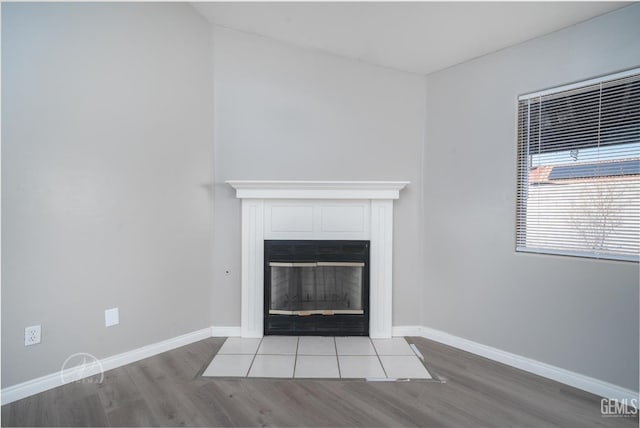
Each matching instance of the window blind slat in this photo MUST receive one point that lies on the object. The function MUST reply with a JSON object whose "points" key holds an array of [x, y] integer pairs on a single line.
{"points": [[578, 181]]}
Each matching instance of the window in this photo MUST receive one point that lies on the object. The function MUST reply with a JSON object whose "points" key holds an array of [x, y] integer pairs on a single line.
{"points": [[579, 169]]}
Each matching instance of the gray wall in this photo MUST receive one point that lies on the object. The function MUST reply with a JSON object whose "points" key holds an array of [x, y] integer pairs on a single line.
{"points": [[578, 314], [287, 113], [106, 173], [107, 189]]}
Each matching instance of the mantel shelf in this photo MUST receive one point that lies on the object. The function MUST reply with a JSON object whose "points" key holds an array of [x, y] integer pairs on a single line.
{"points": [[281, 189]]}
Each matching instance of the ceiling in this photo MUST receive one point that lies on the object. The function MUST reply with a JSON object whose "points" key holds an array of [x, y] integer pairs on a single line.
{"points": [[420, 37]]}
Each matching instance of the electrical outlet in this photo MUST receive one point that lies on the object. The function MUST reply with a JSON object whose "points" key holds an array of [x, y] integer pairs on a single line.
{"points": [[32, 335], [111, 317]]}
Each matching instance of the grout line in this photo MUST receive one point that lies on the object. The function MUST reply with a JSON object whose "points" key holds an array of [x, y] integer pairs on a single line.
{"points": [[295, 359], [254, 357], [335, 346], [277, 355], [379, 360], [374, 346]]}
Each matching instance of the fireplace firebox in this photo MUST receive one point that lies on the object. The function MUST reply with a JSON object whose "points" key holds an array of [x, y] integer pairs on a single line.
{"points": [[316, 288]]}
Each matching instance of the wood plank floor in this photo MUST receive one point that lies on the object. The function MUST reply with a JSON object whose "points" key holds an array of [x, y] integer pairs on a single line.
{"points": [[166, 390]]}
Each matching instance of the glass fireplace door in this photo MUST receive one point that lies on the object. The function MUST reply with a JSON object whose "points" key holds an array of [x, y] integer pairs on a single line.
{"points": [[316, 288]]}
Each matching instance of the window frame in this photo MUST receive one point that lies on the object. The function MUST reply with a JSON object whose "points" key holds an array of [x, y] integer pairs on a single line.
{"points": [[522, 171]]}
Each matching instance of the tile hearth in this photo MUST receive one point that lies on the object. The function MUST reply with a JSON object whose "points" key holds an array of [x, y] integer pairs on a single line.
{"points": [[317, 357]]}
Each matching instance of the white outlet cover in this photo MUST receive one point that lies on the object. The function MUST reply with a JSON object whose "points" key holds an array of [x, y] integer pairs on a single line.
{"points": [[111, 317], [32, 335]]}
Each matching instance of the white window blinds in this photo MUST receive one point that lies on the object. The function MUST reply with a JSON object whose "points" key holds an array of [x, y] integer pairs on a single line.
{"points": [[579, 169]]}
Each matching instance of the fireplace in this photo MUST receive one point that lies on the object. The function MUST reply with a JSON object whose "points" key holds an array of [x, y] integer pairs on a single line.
{"points": [[320, 211], [316, 287]]}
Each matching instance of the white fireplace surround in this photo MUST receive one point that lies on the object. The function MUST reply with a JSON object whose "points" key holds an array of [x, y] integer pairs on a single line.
{"points": [[332, 210]]}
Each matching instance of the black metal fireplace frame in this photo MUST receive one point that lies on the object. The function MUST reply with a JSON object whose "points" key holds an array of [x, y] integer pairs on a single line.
{"points": [[316, 251]]}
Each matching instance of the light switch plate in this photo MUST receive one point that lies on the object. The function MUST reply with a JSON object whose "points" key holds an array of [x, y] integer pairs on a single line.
{"points": [[111, 317]]}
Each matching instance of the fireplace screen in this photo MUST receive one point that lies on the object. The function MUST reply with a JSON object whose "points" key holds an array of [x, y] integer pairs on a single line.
{"points": [[317, 288]]}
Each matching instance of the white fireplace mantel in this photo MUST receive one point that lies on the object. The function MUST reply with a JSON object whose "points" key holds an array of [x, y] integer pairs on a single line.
{"points": [[332, 210], [318, 189]]}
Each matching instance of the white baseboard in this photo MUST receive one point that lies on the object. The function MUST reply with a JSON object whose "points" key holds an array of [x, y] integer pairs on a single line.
{"points": [[407, 330], [53, 380], [577, 380], [225, 331], [567, 377]]}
